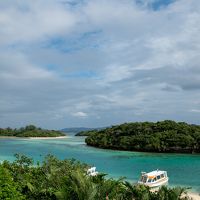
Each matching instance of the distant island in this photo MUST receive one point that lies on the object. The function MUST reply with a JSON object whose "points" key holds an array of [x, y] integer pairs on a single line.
{"points": [[90, 131], [87, 133], [163, 136], [78, 130], [30, 131]]}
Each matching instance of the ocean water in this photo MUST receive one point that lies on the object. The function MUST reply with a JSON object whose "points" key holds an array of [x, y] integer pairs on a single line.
{"points": [[183, 169]]}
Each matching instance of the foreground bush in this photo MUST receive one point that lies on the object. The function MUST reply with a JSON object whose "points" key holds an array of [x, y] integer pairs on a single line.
{"points": [[67, 180]]}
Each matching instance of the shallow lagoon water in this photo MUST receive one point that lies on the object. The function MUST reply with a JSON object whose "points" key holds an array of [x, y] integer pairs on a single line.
{"points": [[183, 169]]}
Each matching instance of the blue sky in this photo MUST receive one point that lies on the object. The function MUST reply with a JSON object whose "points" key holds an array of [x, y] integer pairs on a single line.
{"points": [[66, 63]]}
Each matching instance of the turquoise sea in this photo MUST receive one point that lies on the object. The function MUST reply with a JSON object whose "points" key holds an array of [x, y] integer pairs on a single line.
{"points": [[183, 169]]}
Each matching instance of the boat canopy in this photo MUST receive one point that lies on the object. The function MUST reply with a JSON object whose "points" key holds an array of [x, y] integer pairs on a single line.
{"points": [[155, 173]]}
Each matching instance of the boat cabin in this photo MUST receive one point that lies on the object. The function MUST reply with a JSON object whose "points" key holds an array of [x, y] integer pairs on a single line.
{"points": [[154, 178]]}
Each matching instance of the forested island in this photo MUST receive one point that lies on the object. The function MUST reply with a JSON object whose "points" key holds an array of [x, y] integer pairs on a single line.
{"points": [[55, 179], [86, 133], [29, 131], [89, 131], [163, 136]]}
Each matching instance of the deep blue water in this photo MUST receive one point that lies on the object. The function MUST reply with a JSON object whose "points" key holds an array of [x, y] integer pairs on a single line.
{"points": [[183, 169]]}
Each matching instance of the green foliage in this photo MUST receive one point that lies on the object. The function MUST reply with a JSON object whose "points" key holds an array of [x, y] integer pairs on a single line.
{"points": [[164, 136], [30, 131], [55, 179], [138, 192], [86, 133], [165, 193], [9, 190], [77, 186]]}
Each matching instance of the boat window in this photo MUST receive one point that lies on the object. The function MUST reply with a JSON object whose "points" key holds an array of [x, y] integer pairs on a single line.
{"points": [[158, 177], [154, 179], [162, 175], [149, 180], [143, 179]]}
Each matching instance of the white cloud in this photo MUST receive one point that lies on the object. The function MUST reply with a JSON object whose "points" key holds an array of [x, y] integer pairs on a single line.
{"points": [[145, 62], [114, 73], [15, 65], [27, 21], [80, 114], [195, 110]]}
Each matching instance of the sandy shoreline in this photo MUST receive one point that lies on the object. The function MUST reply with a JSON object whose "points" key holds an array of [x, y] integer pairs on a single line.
{"points": [[194, 196], [33, 138], [191, 194], [45, 138], [8, 137]]}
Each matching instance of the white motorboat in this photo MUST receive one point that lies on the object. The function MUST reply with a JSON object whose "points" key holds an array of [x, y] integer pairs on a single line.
{"points": [[154, 179], [92, 171]]}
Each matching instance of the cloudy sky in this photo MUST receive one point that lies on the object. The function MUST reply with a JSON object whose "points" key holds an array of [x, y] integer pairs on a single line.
{"points": [[66, 63]]}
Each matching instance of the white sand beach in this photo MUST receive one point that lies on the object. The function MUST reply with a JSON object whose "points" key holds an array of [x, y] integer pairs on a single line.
{"points": [[46, 138], [5, 137], [194, 196], [33, 138]]}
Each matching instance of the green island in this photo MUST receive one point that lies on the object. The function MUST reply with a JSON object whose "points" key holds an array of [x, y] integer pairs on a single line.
{"points": [[55, 179], [29, 131], [163, 136], [86, 133]]}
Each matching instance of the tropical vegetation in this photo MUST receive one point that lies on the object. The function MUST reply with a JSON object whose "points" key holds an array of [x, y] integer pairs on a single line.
{"points": [[86, 133], [163, 136], [30, 131], [55, 179]]}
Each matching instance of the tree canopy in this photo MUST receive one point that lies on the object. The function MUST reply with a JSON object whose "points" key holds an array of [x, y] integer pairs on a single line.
{"points": [[163, 136], [55, 179], [29, 131]]}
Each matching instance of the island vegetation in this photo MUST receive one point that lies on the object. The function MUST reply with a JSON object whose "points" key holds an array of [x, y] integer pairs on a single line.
{"points": [[163, 136], [30, 131], [86, 133], [76, 129], [89, 131], [55, 179]]}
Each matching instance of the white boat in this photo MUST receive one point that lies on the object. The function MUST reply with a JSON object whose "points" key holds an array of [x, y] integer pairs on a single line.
{"points": [[154, 179], [92, 171]]}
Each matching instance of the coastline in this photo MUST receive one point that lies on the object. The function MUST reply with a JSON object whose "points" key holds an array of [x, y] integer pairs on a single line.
{"points": [[45, 138], [5, 137], [33, 138], [194, 195]]}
